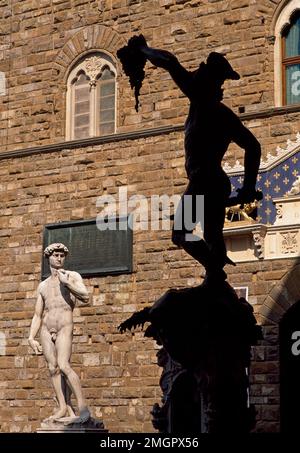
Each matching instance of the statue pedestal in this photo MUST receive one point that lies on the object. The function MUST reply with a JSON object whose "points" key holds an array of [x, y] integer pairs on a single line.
{"points": [[90, 426], [206, 333]]}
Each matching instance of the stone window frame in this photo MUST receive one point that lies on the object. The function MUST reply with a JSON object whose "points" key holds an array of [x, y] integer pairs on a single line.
{"points": [[92, 64], [288, 61], [282, 19]]}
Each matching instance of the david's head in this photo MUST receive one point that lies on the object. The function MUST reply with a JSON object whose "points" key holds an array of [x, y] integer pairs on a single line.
{"points": [[56, 254]]}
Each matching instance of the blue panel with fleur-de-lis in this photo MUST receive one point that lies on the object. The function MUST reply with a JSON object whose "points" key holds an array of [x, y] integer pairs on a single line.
{"points": [[273, 183]]}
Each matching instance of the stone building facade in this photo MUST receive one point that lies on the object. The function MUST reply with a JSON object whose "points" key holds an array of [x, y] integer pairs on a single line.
{"points": [[47, 178]]}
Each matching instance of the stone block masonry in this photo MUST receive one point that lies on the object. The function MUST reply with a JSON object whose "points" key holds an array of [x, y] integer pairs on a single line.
{"points": [[40, 40], [39, 43], [118, 372]]}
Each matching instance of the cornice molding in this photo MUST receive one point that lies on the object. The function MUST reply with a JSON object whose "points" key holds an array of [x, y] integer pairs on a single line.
{"points": [[93, 141], [136, 135], [270, 161]]}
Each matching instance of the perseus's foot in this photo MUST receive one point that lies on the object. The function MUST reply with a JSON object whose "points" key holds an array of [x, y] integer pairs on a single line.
{"points": [[214, 277]]}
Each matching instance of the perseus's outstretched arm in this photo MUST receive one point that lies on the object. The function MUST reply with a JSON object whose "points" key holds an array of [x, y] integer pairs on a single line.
{"points": [[168, 61], [133, 57]]}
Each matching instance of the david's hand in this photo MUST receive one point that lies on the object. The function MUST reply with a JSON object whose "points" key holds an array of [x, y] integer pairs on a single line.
{"points": [[63, 276], [35, 345]]}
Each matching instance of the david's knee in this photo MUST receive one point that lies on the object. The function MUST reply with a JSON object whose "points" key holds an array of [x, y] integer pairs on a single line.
{"points": [[53, 370], [65, 368]]}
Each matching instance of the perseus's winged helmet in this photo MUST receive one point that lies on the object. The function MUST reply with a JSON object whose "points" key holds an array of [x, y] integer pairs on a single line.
{"points": [[218, 65], [216, 68]]}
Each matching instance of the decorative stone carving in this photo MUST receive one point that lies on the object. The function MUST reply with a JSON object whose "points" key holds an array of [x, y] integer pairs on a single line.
{"points": [[278, 212], [236, 168], [259, 242], [289, 242], [171, 370], [288, 209], [242, 214], [283, 238], [88, 38], [93, 66], [282, 242], [245, 241], [295, 190], [280, 155]]}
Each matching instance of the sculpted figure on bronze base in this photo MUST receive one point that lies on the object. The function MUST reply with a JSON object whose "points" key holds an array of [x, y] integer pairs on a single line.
{"points": [[206, 332], [209, 129]]}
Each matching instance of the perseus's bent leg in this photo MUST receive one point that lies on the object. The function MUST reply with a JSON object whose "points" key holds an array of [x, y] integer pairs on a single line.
{"points": [[213, 230], [210, 252], [186, 217]]}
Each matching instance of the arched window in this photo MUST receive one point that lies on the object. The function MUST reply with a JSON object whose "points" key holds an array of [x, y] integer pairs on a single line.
{"points": [[91, 98], [286, 26], [291, 61]]}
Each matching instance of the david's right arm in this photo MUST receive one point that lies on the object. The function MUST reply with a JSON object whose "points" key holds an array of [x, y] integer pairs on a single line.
{"points": [[36, 324]]}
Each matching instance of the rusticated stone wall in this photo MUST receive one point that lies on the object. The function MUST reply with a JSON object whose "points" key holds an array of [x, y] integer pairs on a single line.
{"points": [[38, 43], [40, 40], [118, 372]]}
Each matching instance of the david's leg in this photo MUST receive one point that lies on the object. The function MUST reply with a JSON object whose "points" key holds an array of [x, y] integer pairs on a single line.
{"points": [[68, 393], [64, 349], [49, 352]]}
